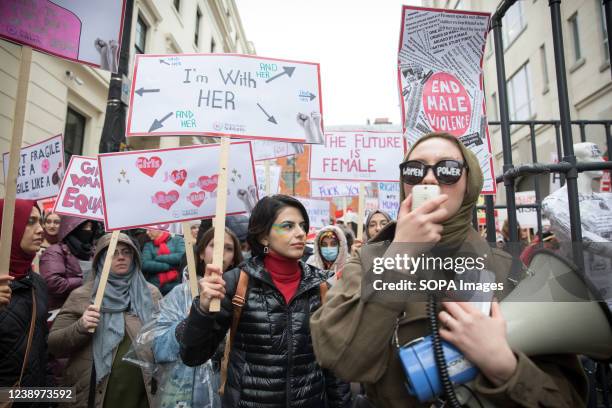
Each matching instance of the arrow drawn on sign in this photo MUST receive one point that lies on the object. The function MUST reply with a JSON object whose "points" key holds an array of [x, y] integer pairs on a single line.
{"points": [[311, 96], [161, 61], [159, 123], [286, 70], [270, 118], [142, 91]]}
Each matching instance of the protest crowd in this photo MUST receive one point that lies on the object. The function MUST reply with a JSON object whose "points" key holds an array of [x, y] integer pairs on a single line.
{"points": [[185, 278]]}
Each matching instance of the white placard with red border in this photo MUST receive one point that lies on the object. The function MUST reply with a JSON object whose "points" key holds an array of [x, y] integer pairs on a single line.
{"points": [[357, 156], [268, 150], [80, 194], [242, 96], [260, 174], [71, 29], [41, 169], [142, 188], [318, 211], [440, 79]]}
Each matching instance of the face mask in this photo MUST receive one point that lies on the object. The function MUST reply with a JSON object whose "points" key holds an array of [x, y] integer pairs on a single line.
{"points": [[329, 253], [246, 254], [84, 236]]}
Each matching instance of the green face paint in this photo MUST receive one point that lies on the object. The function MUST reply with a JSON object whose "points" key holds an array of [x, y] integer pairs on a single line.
{"points": [[286, 227]]}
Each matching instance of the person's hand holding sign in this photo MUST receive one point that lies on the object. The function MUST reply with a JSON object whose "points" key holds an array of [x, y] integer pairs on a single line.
{"points": [[212, 286], [5, 290], [90, 319]]}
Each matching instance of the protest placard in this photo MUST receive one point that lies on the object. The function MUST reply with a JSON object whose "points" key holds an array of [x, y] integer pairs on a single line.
{"points": [[357, 156], [41, 168], [441, 80], [389, 198], [142, 188], [275, 173], [66, 28], [332, 189], [526, 217], [242, 96], [267, 149], [318, 211], [80, 193]]}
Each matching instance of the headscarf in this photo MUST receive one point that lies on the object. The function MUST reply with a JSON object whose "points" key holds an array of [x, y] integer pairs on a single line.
{"points": [[317, 259], [456, 227], [80, 241], [127, 292], [51, 239], [20, 262], [369, 217]]}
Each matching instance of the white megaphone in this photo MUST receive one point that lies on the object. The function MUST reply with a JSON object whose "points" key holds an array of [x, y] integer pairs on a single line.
{"points": [[551, 312]]}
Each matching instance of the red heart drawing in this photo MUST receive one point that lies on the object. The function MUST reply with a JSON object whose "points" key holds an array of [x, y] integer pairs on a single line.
{"points": [[178, 176], [196, 198], [208, 183], [149, 166], [165, 200]]}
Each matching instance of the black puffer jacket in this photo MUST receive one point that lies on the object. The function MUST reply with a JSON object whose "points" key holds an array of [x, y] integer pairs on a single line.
{"points": [[14, 327], [272, 362]]}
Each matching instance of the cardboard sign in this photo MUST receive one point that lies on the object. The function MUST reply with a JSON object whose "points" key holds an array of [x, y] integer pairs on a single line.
{"points": [[260, 174], [332, 189], [389, 198], [142, 188], [267, 150], [80, 193], [526, 217], [41, 168], [357, 156], [217, 94], [71, 29], [441, 79], [318, 211]]}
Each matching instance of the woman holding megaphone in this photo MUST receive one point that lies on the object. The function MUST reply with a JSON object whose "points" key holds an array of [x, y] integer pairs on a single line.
{"points": [[357, 331]]}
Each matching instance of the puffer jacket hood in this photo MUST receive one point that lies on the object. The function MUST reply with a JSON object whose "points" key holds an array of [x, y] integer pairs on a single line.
{"points": [[316, 259], [104, 242], [69, 224]]}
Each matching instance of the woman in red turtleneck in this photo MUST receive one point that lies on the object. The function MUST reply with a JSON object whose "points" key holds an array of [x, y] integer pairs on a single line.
{"points": [[272, 361]]}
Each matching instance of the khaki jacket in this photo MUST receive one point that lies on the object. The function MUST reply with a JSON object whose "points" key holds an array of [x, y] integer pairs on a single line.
{"points": [[68, 338], [353, 337]]}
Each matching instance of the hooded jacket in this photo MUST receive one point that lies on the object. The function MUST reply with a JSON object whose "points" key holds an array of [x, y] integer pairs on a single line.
{"points": [[316, 259], [68, 338], [271, 362], [59, 267]]}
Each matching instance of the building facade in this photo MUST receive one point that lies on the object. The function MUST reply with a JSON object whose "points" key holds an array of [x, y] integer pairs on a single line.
{"points": [[70, 98], [531, 80]]}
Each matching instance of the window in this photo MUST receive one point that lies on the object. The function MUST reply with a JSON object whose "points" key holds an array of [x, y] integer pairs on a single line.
{"points": [[604, 31], [213, 45], [544, 67], [520, 99], [74, 133], [196, 35], [494, 109], [141, 35], [573, 22], [513, 23], [177, 4]]}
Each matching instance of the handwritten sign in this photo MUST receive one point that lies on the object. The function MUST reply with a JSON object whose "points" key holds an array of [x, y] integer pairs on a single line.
{"points": [[66, 28], [357, 156], [80, 193], [147, 187], [389, 198], [215, 94], [318, 211], [526, 217], [440, 71], [267, 150], [260, 174], [332, 189], [41, 168]]}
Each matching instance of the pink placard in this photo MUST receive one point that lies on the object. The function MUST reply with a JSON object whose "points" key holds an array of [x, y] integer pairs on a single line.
{"points": [[41, 24]]}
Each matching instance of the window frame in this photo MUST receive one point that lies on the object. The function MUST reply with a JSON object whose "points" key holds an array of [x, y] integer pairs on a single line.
{"points": [[196, 34], [140, 21], [512, 93], [72, 111], [575, 35]]}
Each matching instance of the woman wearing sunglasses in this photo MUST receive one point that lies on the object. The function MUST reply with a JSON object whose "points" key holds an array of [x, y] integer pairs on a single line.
{"points": [[353, 332]]}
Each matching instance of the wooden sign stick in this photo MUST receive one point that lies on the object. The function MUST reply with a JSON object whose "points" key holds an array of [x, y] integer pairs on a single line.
{"points": [[191, 265], [267, 173], [10, 187], [361, 209], [219, 222], [106, 270]]}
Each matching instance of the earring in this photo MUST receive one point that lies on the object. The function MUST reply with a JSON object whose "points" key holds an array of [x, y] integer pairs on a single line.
{"points": [[266, 250]]}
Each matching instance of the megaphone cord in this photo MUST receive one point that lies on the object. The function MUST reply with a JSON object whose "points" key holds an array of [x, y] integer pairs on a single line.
{"points": [[447, 385]]}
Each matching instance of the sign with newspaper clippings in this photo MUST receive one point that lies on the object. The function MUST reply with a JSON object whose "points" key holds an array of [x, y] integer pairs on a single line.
{"points": [[441, 81]]}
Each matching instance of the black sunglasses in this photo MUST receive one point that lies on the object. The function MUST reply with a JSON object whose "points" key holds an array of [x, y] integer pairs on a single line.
{"points": [[446, 171]]}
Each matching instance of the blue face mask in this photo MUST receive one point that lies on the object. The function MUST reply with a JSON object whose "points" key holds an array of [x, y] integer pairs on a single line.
{"points": [[329, 253]]}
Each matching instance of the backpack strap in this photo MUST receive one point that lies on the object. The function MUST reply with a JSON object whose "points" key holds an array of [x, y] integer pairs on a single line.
{"points": [[238, 303]]}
